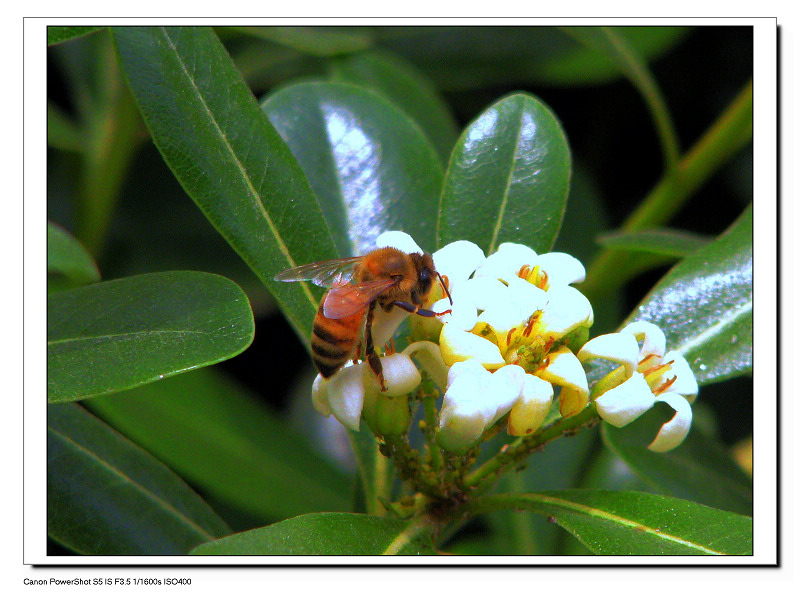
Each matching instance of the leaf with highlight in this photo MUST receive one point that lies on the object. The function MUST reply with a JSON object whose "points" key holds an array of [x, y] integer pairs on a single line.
{"points": [[508, 178], [227, 156]]}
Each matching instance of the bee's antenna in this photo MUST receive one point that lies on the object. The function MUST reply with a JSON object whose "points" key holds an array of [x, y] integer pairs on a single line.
{"points": [[444, 286]]}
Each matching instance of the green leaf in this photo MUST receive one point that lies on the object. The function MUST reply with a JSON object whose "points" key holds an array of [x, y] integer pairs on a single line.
{"points": [[317, 41], [559, 467], [227, 156], [106, 496], [468, 58], [56, 35], [582, 65], [633, 523], [68, 263], [699, 469], [119, 334], [663, 242], [370, 166], [704, 305], [219, 437], [508, 178], [403, 84], [326, 534]]}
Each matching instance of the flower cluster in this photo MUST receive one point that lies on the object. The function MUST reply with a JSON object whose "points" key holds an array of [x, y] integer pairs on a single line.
{"points": [[515, 329], [647, 373]]}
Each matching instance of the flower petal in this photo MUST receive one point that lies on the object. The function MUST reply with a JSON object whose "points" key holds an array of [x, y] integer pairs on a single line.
{"points": [[459, 368], [506, 262], [530, 410], [346, 390], [384, 324], [463, 314], [429, 356], [400, 240], [458, 260], [484, 292], [503, 318], [400, 375], [653, 340], [561, 268], [566, 309], [319, 396], [674, 431], [565, 369], [625, 403], [504, 387], [458, 345], [617, 347], [474, 400], [685, 384], [465, 411]]}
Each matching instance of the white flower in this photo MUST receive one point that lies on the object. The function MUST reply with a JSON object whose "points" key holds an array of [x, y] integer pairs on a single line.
{"points": [[476, 399], [648, 374], [344, 394], [513, 260], [513, 312]]}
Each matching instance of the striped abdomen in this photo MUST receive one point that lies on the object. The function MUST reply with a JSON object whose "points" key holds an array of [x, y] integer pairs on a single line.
{"points": [[333, 341]]}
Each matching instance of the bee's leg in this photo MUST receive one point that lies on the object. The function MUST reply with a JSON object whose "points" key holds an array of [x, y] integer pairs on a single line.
{"points": [[417, 310], [369, 350]]}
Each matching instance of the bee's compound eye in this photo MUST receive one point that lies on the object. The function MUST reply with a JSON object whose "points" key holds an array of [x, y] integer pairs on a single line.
{"points": [[425, 279]]}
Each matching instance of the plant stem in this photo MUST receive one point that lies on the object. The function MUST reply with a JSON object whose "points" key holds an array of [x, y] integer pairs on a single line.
{"points": [[731, 131], [522, 447], [434, 453]]}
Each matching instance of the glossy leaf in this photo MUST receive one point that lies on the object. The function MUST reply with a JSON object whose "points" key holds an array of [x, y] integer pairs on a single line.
{"points": [[558, 467], [664, 242], [371, 167], [68, 263], [317, 41], [227, 156], [633, 523], [119, 334], [699, 469], [704, 305], [466, 58], [326, 534], [106, 496], [56, 35], [408, 88], [220, 438], [508, 178]]}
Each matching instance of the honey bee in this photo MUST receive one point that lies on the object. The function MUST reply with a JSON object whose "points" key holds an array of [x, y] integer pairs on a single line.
{"points": [[386, 277]]}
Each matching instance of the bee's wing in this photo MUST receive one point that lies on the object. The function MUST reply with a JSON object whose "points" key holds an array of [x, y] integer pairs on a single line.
{"points": [[325, 274], [346, 300]]}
